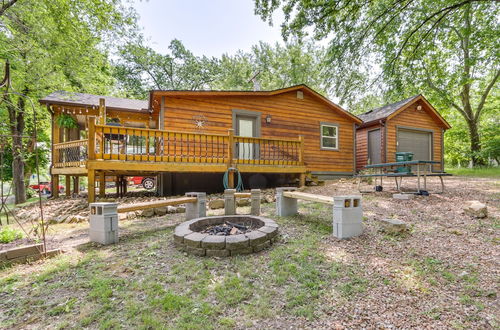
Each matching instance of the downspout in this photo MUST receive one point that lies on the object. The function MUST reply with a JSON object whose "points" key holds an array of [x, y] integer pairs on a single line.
{"points": [[354, 128], [383, 124]]}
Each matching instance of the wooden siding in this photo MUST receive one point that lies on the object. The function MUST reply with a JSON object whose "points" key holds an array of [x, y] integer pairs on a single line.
{"points": [[418, 119], [362, 145], [291, 116]]}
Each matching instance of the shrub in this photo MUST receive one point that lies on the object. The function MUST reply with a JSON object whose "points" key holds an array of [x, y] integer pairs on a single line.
{"points": [[8, 234]]}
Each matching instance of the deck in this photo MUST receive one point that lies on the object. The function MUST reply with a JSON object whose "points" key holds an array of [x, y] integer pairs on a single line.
{"points": [[137, 151]]}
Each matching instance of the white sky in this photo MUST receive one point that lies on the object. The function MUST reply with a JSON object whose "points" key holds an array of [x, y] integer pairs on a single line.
{"points": [[205, 27]]}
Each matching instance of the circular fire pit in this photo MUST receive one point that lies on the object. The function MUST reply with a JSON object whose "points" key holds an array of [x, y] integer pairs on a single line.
{"points": [[222, 236]]}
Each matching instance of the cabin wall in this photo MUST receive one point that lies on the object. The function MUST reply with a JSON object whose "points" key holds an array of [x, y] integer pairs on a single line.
{"points": [[419, 119], [291, 117], [362, 145]]}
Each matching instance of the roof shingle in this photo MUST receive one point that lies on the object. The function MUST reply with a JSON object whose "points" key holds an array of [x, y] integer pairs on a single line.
{"points": [[82, 99], [385, 111]]}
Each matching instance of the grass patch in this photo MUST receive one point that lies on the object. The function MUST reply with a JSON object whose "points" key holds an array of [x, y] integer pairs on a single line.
{"points": [[478, 172]]}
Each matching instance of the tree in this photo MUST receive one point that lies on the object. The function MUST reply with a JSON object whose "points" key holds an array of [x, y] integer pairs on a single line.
{"points": [[277, 67], [140, 69], [447, 49], [54, 44]]}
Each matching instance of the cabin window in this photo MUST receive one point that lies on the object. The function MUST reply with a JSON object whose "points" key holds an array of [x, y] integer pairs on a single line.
{"points": [[329, 136]]}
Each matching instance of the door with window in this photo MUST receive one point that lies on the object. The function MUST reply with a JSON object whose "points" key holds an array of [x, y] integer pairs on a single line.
{"points": [[246, 126]]}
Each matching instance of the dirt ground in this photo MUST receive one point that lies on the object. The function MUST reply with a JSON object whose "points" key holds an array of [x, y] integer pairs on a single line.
{"points": [[443, 274]]}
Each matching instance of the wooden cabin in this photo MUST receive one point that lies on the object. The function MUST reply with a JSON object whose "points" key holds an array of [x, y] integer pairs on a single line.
{"points": [[196, 136], [411, 125]]}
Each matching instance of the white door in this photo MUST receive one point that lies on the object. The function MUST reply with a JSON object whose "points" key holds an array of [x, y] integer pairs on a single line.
{"points": [[245, 127]]}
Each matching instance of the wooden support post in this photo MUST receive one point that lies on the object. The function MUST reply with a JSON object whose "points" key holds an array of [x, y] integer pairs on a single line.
{"points": [[301, 150], [55, 186], [117, 185], [91, 186], [230, 179], [76, 185], [91, 143], [230, 148], [102, 111], [302, 180], [68, 185], [102, 184]]}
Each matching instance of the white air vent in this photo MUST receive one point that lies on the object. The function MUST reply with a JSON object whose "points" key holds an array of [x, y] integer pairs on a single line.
{"points": [[300, 95]]}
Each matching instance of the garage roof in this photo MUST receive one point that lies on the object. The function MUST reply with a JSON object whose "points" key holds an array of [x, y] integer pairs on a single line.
{"points": [[390, 110]]}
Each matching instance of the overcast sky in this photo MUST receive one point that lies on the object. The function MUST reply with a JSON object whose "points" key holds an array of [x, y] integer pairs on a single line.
{"points": [[206, 27]]}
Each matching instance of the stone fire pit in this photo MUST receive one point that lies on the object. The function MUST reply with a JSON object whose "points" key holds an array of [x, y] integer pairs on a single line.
{"points": [[194, 236]]}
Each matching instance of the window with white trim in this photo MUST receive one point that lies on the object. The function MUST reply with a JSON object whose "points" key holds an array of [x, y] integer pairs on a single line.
{"points": [[329, 136]]}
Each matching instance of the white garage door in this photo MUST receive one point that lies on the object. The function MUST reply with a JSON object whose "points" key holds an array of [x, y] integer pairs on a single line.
{"points": [[417, 142]]}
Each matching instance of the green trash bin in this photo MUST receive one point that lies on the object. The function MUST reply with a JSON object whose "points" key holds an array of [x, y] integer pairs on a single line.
{"points": [[403, 157]]}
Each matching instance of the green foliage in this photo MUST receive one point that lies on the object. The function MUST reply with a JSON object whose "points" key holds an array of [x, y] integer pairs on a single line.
{"points": [[140, 69], [66, 121], [447, 50], [9, 234]]}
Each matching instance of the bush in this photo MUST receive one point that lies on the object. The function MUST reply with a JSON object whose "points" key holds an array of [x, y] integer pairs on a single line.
{"points": [[30, 193], [8, 234]]}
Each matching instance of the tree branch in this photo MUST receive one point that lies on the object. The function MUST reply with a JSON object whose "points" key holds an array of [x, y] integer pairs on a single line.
{"points": [[485, 94], [6, 6]]}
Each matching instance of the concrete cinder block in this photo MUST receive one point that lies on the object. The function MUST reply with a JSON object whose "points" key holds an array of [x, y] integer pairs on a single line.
{"points": [[103, 223], [403, 196], [229, 202], [285, 206], [198, 209], [104, 237], [347, 216], [255, 202]]}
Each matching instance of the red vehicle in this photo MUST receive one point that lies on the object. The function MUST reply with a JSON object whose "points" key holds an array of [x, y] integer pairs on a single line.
{"points": [[46, 187], [147, 182]]}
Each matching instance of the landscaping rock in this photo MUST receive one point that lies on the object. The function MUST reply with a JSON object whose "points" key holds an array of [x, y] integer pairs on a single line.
{"points": [[243, 250], [195, 251], [236, 242], [161, 211], [243, 202], [214, 242], [393, 226], [261, 246], [147, 213], [476, 209], [194, 239], [216, 204], [403, 196], [122, 216], [131, 215], [270, 198], [217, 253], [180, 209]]}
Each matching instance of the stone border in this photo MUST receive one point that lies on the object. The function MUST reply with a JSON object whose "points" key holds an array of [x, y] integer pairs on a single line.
{"points": [[202, 244], [25, 254]]}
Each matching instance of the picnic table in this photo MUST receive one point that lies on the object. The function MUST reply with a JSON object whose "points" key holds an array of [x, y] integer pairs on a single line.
{"points": [[387, 170]]}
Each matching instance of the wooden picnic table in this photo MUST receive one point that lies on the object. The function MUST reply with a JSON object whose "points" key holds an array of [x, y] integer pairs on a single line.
{"points": [[387, 170]]}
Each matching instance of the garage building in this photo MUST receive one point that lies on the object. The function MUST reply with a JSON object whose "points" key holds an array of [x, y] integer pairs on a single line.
{"points": [[411, 125]]}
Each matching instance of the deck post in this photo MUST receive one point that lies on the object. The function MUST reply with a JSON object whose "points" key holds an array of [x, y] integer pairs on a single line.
{"points": [[91, 139], [67, 181], [302, 180], [230, 155], [76, 185], [117, 185], [55, 186], [91, 186], [102, 111], [301, 150], [230, 179], [102, 184]]}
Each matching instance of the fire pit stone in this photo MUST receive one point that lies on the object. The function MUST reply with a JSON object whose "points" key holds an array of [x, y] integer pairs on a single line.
{"points": [[223, 236]]}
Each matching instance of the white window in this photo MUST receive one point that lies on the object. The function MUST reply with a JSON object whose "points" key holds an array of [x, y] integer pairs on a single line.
{"points": [[329, 136]]}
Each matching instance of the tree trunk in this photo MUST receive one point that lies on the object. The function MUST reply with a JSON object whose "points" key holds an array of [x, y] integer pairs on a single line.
{"points": [[475, 143], [17, 124]]}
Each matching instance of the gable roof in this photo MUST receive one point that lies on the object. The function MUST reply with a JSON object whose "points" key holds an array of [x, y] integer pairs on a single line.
{"points": [[303, 87], [390, 110], [91, 100]]}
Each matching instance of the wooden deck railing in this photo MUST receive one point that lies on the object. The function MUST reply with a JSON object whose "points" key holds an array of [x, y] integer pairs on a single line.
{"points": [[70, 154], [149, 145]]}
